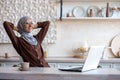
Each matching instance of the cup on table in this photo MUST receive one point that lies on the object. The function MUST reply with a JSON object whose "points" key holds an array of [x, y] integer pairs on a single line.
{"points": [[24, 66]]}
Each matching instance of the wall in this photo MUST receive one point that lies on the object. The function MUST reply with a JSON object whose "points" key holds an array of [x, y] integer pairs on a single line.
{"points": [[73, 32], [38, 10]]}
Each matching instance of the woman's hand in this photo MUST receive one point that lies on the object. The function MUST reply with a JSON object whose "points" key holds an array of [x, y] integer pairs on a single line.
{"points": [[15, 28], [35, 26]]}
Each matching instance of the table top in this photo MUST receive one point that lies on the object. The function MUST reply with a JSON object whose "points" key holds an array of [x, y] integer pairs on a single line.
{"points": [[44, 73]]}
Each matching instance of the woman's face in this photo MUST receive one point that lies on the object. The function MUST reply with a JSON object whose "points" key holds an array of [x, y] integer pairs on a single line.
{"points": [[28, 26]]}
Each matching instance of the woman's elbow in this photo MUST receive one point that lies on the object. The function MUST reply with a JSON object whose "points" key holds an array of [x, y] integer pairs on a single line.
{"points": [[48, 22], [4, 23]]}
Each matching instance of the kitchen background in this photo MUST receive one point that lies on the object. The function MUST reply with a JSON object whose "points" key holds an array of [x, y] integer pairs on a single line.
{"points": [[63, 35]]}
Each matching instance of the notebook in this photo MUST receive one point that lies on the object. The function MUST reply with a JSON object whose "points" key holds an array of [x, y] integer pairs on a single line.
{"points": [[91, 62]]}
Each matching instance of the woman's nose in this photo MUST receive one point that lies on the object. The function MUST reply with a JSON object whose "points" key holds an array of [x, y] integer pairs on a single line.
{"points": [[30, 25]]}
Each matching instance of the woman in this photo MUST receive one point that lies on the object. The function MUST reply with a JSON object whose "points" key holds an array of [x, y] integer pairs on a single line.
{"points": [[28, 46]]}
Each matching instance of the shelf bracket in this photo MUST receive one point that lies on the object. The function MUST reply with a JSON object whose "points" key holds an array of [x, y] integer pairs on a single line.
{"points": [[61, 8]]}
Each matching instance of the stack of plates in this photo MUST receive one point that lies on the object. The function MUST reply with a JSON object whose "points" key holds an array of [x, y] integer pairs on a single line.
{"points": [[78, 11]]}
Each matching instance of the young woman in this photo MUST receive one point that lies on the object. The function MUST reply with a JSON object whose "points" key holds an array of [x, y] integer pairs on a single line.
{"points": [[28, 46]]}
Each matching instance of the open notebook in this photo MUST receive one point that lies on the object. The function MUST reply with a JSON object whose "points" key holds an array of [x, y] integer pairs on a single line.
{"points": [[92, 61]]}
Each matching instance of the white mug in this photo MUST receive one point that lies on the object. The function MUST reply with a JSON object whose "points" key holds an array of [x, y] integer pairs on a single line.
{"points": [[24, 66]]}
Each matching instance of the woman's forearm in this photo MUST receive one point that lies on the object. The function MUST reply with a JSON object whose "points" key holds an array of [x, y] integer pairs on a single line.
{"points": [[9, 27], [43, 24]]}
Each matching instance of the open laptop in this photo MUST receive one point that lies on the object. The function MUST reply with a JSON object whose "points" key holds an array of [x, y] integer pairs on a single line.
{"points": [[92, 61]]}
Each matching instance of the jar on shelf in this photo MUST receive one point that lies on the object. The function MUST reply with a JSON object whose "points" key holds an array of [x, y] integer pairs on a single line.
{"points": [[91, 13], [69, 14]]}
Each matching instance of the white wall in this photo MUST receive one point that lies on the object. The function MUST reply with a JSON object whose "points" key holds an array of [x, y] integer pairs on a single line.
{"points": [[72, 32]]}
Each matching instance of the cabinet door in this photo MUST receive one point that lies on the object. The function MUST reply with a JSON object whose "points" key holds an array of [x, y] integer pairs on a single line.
{"points": [[117, 66], [9, 64], [62, 65], [106, 65], [52, 65], [110, 65], [103, 65]]}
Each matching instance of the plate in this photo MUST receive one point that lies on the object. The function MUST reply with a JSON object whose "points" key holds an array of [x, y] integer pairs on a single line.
{"points": [[78, 11], [23, 69], [94, 9], [115, 45], [103, 12]]}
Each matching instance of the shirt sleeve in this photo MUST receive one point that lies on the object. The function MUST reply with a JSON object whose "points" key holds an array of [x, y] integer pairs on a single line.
{"points": [[9, 29], [44, 28]]}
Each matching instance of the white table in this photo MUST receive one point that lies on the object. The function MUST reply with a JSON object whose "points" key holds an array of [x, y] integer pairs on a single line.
{"points": [[55, 74]]}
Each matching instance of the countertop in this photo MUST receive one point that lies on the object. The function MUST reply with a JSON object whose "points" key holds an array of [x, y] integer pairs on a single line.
{"points": [[59, 60], [10, 59], [73, 60]]}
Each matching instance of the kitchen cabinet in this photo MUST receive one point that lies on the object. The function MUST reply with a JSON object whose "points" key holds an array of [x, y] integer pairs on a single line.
{"points": [[102, 65], [11, 61], [69, 62], [64, 62], [88, 9]]}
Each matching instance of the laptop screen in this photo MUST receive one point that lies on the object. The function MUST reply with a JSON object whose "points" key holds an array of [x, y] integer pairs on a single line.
{"points": [[93, 57], [92, 60]]}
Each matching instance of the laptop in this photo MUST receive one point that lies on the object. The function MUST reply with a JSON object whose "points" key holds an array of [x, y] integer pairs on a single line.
{"points": [[91, 62]]}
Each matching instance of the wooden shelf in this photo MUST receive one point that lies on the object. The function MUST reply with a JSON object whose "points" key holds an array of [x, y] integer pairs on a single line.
{"points": [[89, 18], [87, 0], [63, 9]]}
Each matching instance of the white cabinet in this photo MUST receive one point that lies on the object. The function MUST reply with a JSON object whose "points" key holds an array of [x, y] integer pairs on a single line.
{"points": [[102, 64], [69, 62], [9, 64], [11, 61], [66, 62], [110, 65], [88, 9], [52, 65], [60, 65]]}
